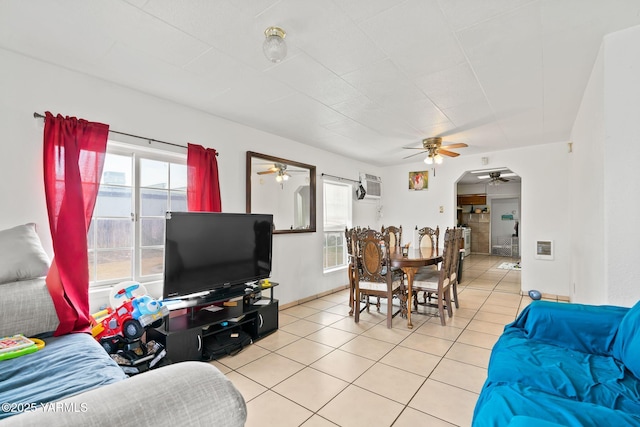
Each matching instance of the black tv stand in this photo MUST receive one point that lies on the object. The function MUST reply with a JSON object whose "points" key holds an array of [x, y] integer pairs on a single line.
{"points": [[185, 335]]}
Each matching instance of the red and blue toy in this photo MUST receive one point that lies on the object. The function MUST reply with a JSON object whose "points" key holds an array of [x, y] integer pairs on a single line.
{"points": [[128, 320]]}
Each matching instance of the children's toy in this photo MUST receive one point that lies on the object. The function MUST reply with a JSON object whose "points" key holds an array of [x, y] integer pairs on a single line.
{"points": [[18, 345], [128, 320], [13, 343]]}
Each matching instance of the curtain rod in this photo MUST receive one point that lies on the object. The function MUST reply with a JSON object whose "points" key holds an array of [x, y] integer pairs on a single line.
{"points": [[40, 116], [341, 178]]}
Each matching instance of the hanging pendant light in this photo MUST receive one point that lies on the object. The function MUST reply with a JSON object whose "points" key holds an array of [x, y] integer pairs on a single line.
{"points": [[274, 46]]}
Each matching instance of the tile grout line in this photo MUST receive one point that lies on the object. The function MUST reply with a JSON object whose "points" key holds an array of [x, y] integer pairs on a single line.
{"points": [[395, 345]]}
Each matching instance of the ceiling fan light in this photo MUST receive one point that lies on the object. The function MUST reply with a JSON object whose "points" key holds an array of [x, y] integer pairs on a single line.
{"points": [[279, 178], [428, 160], [438, 159], [274, 46], [285, 177]]}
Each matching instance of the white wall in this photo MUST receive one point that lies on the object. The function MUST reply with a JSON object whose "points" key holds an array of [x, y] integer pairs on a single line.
{"points": [[587, 193], [501, 228], [28, 85], [622, 109], [544, 205], [605, 177]]}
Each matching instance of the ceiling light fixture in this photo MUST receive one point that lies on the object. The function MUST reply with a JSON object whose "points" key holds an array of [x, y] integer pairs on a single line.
{"points": [[433, 157], [274, 46], [282, 176]]}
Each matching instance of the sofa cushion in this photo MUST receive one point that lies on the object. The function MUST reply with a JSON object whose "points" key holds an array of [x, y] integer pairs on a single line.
{"points": [[563, 372], [501, 405], [581, 327], [626, 346], [21, 254], [67, 365]]}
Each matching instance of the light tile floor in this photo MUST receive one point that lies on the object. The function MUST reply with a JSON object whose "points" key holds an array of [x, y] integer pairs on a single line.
{"points": [[322, 369]]}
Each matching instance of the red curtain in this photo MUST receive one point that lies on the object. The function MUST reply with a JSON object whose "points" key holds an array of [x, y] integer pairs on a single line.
{"points": [[74, 151], [203, 186]]}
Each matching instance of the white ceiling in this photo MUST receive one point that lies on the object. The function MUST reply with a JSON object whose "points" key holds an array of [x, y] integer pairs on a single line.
{"points": [[363, 78]]}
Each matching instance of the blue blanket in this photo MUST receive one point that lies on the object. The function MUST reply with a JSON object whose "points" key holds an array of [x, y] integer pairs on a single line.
{"points": [[556, 364], [67, 365]]}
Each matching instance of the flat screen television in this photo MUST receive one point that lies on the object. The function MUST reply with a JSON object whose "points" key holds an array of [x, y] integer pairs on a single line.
{"points": [[214, 253]]}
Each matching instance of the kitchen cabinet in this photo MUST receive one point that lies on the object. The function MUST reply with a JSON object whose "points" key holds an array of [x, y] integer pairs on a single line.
{"points": [[472, 199]]}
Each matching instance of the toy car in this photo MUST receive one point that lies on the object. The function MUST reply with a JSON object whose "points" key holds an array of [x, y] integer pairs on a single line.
{"points": [[128, 320]]}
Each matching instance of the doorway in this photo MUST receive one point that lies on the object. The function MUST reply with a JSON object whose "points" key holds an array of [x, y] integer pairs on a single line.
{"points": [[489, 206], [505, 224]]}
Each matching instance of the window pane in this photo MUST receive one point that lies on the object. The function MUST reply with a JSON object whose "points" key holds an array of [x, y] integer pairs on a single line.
{"points": [[178, 178], [154, 174], [114, 233], [115, 264], [152, 233], [91, 241], [152, 261], [154, 202], [117, 170], [337, 216], [336, 205], [92, 264], [113, 201], [178, 201], [113, 237]]}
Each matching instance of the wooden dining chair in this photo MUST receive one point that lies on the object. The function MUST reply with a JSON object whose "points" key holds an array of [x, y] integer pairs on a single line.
{"points": [[428, 237], [374, 278], [455, 263], [395, 235], [351, 241], [440, 284]]}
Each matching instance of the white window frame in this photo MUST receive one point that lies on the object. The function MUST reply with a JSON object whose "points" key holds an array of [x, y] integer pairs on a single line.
{"points": [[327, 229], [137, 153]]}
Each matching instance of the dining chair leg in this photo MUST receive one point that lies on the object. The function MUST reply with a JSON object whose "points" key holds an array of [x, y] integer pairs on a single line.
{"points": [[441, 310], [356, 305], [389, 310], [447, 298], [455, 294]]}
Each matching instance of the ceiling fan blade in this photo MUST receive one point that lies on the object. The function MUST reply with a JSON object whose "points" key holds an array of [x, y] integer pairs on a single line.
{"points": [[447, 153], [413, 148], [270, 170], [411, 155], [503, 180], [455, 145]]}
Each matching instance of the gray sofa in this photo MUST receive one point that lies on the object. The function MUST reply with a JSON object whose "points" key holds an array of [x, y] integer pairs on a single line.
{"points": [[189, 393]]}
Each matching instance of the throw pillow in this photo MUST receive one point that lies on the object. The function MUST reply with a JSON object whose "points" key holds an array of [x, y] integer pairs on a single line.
{"points": [[21, 254], [626, 346]]}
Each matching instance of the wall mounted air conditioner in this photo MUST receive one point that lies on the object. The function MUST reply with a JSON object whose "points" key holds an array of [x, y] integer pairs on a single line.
{"points": [[370, 187]]}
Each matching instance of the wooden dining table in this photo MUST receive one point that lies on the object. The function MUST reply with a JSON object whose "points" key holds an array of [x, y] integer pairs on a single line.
{"points": [[410, 263]]}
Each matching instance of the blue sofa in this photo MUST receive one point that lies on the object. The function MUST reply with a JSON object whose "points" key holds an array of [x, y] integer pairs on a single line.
{"points": [[564, 364]]}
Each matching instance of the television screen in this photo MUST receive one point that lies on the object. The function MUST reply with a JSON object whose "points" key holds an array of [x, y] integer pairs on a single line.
{"points": [[207, 251]]}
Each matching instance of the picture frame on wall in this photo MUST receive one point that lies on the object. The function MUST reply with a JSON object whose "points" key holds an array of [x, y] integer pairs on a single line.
{"points": [[419, 180]]}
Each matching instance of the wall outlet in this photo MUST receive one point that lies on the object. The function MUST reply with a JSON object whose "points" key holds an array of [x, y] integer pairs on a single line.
{"points": [[441, 209]]}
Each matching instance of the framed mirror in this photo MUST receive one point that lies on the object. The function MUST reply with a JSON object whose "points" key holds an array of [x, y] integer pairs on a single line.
{"points": [[284, 188]]}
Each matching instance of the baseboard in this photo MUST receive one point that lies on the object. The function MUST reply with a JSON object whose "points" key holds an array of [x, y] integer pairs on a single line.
{"points": [[311, 298], [551, 297]]}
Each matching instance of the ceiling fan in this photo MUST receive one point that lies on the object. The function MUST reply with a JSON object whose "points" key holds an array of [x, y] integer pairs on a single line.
{"points": [[435, 150], [495, 178], [281, 171]]}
